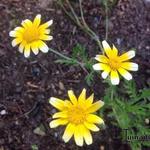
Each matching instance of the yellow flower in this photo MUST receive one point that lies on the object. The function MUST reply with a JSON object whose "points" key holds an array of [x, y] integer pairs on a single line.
{"points": [[30, 36], [78, 115], [113, 64]]}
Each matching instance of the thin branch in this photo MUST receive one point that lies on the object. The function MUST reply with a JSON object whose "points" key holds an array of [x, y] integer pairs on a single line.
{"points": [[83, 25]]}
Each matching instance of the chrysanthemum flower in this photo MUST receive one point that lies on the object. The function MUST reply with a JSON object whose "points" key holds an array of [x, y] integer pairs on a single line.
{"points": [[112, 63], [30, 36], [77, 115]]}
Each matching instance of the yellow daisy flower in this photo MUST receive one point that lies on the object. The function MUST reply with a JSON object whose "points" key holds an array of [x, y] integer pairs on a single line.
{"points": [[77, 115], [113, 64], [30, 36]]}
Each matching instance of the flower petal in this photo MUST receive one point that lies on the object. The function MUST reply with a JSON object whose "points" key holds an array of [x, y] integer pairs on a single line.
{"points": [[82, 96], [34, 47], [101, 58], [47, 31], [22, 46], [42, 46], [27, 51], [128, 55], [16, 41], [46, 37], [107, 49], [19, 29], [72, 97], [91, 126], [78, 135], [57, 103], [87, 135], [89, 101], [58, 122], [62, 114], [14, 34], [26, 23], [125, 74], [115, 50], [130, 66], [106, 72], [91, 118], [69, 131], [46, 25], [114, 77], [101, 66], [95, 106], [37, 20]]}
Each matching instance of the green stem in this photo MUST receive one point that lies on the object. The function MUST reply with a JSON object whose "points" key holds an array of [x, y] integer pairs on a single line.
{"points": [[83, 25], [112, 94], [68, 58], [106, 19], [59, 54]]}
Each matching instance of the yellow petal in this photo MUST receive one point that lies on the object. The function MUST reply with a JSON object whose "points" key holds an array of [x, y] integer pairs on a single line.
{"points": [[57, 103], [34, 47], [72, 97], [106, 72], [94, 119], [101, 58], [67, 104], [42, 46], [15, 34], [16, 41], [47, 31], [128, 55], [58, 122], [115, 50], [107, 49], [95, 106], [19, 29], [114, 77], [27, 50], [46, 25], [22, 46], [37, 20], [82, 96], [125, 74], [87, 135], [78, 135], [62, 114], [101, 66], [26, 23], [46, 37], [130, 66], [91, 126], [89, 101], [69, 131]]}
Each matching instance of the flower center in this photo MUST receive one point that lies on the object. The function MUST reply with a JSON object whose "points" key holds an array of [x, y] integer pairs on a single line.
{"points": [[76, 115], [114, 64], [31, 34]]}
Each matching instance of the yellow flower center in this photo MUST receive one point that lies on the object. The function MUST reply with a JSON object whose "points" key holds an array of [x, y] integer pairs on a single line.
{"points": [[114, 64], [76, 115], [31, 34]]}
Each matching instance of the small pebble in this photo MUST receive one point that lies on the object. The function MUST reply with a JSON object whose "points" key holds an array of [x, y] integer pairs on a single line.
{"points": [[102, 147], [147, 121], [3, 112], [61, 85]]}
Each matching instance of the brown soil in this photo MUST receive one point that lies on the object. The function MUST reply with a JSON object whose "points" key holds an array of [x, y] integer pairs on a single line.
{"points": [[26, 84]]}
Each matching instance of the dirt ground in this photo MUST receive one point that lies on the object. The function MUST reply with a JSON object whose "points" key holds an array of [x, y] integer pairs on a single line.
{"points": [[26, 84]]}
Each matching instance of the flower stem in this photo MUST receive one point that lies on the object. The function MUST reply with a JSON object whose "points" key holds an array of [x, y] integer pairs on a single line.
{"points": [[68, 58]]}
